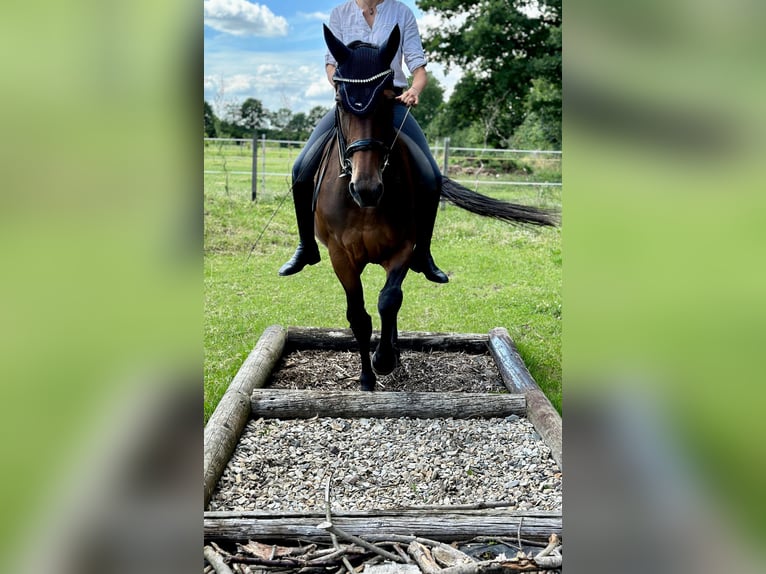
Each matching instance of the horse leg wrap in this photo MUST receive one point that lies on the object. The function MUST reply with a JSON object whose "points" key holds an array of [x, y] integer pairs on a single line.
{"points": [[385, 359], [361, 326]]}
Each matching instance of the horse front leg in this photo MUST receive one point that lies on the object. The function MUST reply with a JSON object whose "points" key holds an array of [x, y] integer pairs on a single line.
{"points": [[386, 357], [358, 318], [361, 325]]}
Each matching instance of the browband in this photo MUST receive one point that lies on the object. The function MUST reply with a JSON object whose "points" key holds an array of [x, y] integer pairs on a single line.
{"points": [[383, 74]]}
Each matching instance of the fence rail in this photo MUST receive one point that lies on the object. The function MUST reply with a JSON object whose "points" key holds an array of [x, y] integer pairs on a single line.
{"points": [[264, 160]]}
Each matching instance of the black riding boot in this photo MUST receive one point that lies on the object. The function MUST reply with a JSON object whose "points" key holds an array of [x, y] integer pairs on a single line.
{"points": [[425, 217], [307, 252]]}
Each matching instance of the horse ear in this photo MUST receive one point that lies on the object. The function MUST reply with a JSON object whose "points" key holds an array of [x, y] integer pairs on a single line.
{"points": [[390, 46], [337, 48]]}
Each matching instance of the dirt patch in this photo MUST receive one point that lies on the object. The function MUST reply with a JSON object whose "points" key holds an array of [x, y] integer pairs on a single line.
{"points": [[437, 371]]}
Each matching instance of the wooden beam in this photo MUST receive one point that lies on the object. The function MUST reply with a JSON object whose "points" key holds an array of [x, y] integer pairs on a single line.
{"points": [[304, 404], [224, 427], [300, 338], [447, 525], [540, 412]]}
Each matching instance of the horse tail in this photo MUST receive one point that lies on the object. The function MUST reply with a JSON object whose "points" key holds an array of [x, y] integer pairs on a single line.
{"points": [[488, 207]]}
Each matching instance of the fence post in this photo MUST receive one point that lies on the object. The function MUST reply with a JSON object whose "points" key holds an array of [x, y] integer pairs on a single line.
{"points": [[254, 182], [263, 162], [445, 167], [445, 159]]}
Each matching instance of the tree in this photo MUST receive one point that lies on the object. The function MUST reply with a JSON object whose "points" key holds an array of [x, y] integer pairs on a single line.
{"points": [[431, 99], [280, 119], [211, 122], [298, 127], [315, 114], [252, 114], [541, 128], [503, 46]]}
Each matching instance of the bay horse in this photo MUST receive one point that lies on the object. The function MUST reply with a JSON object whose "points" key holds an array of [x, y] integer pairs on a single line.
{"points": [[365, 195]]}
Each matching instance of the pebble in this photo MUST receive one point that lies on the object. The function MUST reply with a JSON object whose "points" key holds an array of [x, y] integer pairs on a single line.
{"points": [[283, 465]]}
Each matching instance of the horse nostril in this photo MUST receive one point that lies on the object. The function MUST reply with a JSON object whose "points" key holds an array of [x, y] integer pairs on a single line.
{"points": [[366, 193]]}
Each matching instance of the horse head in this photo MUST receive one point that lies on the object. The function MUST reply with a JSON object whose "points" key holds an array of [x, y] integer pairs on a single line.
{"points": [[364, 103]]}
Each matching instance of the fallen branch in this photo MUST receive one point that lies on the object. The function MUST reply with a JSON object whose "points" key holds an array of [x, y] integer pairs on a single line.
{"points": [[272, 551], [508, 541], [328, 526], [553, 543], [423, 558], [447, 556], [278, 562], [520, 563], [216, 561], [401, 553], [332, 558]]}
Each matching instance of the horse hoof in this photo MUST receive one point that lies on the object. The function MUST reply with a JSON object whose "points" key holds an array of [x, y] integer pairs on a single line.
{"points": [[382, 367], [367, 383]]}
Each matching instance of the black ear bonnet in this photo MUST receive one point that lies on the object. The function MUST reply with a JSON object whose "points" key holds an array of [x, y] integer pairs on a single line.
{"points": [[363, 72]]}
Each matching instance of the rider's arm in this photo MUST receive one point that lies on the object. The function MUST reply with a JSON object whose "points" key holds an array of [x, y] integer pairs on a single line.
{"points": [[330, 70]]}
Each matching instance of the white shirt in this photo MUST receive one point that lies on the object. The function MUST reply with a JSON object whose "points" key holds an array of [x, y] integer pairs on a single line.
{"points": [[348, 24]]}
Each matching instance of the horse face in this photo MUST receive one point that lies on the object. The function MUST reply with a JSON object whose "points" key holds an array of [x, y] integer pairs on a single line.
{"points": [[364, 82], [366, 152]]}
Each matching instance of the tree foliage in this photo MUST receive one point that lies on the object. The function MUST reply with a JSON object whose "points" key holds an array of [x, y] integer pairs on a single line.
{"points": [[503, 46], [252, 114], [211, 122], [250, 119], [430, 102]]}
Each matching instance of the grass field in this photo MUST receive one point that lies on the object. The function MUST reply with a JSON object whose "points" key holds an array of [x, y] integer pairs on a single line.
{"points": [[500, 275]]}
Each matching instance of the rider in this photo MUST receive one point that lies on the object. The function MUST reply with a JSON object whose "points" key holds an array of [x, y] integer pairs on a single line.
{"points": [[372, 21]]}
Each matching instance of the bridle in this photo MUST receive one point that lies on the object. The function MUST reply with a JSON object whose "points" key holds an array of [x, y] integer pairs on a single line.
{"points": [[345, 152]]}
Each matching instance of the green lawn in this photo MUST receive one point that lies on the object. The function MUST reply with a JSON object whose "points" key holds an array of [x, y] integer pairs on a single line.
{"points": [[500, 275]]}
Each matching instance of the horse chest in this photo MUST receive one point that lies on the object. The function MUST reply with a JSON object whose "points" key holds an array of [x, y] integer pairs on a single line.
{"points": [[373, 239]]}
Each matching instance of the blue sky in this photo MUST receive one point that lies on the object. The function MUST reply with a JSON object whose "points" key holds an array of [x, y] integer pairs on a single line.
{"points": [[274, 52]]}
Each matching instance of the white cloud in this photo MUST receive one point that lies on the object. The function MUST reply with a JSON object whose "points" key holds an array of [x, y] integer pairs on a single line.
{"points": [[433, 21], [320, 88], [271, 77], [321, 16], [447, 80], [242, 18], [239, 84]]}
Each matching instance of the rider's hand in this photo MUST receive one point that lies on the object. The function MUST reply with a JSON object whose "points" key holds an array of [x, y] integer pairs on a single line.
{"points": [[410, 97]]}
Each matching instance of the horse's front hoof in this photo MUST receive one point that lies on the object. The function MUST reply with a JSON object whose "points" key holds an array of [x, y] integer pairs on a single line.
{"points": [[384, 366], [367, 383]]}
